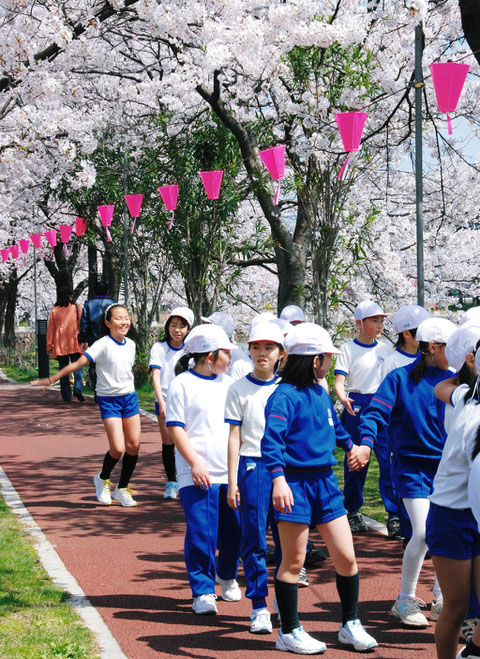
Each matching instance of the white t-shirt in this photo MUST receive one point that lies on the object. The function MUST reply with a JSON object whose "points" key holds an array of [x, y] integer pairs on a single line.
{"points": [[474, 489], [164, 357], [396, 359], [451, 480], [114, 362], [362, 365], [245, 407], [240, 364], [196, 403]]}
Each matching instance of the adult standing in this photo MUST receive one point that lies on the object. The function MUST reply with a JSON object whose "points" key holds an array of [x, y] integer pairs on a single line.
{"points": [[91, 322], [62, 341]]}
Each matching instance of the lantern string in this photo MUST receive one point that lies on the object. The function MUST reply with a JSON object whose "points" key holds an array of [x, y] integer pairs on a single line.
{"points": [[171, 221], [133, 225], [277, 191]]}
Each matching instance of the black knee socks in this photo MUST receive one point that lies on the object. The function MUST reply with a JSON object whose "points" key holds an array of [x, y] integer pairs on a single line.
{"points": [[128, 465], [287, 602], [168, 458], [347, 588], [108, 465]]}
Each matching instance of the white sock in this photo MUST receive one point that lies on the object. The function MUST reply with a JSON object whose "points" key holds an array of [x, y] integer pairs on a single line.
{"points": [[416, 549]]}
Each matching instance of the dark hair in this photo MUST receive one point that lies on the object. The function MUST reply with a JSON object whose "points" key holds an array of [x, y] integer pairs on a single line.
{"points": [[63, 297], [165, 337], [299, 371], [101, 287], [420, 368], [182, 365], [401, 339]]}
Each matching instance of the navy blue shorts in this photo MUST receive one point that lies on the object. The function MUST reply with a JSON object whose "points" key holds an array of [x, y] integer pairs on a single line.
{"points": [[118, 406], [317, 499], [452, 533], [413, 479]]}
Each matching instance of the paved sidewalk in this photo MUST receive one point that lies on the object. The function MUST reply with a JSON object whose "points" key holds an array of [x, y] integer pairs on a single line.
{"points": [[129, 562]]}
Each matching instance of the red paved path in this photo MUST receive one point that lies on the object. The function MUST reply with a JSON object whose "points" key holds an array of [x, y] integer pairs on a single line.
{"points": [[129, 562]]}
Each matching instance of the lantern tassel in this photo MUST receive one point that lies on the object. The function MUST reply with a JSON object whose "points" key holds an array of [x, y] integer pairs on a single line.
{"points": [[171, 221], [109, 237], [24, 259], [343, 171], [66, 250], [51, 255], [449, 122], [133, 225], [275, 199]]}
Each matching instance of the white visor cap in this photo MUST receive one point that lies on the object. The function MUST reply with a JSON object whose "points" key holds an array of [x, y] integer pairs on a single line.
{"points": [[208, 338], [183, 312], [472, 314], [461, 342], [309, 339], [222, 319], [367, 309], [292, 313], [269, 331], [408, 317], [435, 329], [264, 317]]}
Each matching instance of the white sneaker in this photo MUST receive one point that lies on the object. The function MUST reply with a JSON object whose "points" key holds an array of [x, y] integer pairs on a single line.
{"points": [[408, 610], [205, 604], [171, 490], [230, 589], [353, 633], [260, 622], [124, 496], [303, 579], [436, 608], [103, 489], [300, 642]]}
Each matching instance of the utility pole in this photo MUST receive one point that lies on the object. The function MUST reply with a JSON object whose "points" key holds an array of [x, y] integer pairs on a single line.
{"points": [[419, 46], [125, 225]]}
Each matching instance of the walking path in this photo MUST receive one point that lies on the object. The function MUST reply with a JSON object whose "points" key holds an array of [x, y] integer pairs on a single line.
{"points": [[129, 562]]}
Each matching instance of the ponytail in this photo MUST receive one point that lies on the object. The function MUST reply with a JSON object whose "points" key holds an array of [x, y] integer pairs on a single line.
{"points": [[420, 368]]}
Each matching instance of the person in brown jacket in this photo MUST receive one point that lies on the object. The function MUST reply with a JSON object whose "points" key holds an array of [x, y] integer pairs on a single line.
{"points": [[62, 342]]}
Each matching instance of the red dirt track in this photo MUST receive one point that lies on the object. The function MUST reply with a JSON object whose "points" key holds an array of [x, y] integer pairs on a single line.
{"points": [[129, 562]]}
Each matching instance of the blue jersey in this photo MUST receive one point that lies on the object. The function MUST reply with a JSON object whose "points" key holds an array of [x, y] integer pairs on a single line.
{"points": [[301, 430], [415, 417]]}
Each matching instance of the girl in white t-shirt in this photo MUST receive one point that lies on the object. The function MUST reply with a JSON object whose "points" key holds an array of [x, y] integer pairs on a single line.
{"points": [[195, 419], [164, 355], [114, 357]]}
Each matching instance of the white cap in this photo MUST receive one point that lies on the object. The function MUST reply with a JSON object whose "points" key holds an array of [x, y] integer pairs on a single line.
{"points": [[222, 319], [462, 341], [261, 318], [283, 324], [367, 309], [408, 317], [269, 331], [185, 313], [309, 339], [435, 329], [470, 314], [208, 338], [292, 313]]}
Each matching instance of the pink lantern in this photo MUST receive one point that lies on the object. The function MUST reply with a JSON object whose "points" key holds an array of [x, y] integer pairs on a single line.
{"points": [[350, 125], [65, 233], [5, 256], [14, 250], [106, 214], [134, 203], [212, 182], [448, 80], [51, 237], [36, 239], [24, 245], [274, 160], [169, 194], [80, 226]]}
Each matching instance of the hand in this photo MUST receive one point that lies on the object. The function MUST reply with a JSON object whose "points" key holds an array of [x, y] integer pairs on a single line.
{"points": [[45, 383], [163, 412], [233, 496], [83, 346], [358, 457], [200, 475], [282, 496], [347, 404]]}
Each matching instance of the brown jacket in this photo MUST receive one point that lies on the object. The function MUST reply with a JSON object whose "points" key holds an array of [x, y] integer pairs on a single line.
{"points": [[62, 331]]}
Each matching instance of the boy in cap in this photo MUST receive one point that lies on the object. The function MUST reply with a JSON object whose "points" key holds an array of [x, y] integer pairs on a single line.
{"points": [[361, 361]]}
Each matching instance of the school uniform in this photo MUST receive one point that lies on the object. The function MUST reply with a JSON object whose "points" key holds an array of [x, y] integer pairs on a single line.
{"points": [[240, 364], [164, 357], [362, 365], [196, 403], [245, 407], [115, 386], [301, 432]]}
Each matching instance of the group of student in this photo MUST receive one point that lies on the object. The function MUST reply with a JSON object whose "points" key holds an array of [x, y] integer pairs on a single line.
{"points": [[248, 441]]}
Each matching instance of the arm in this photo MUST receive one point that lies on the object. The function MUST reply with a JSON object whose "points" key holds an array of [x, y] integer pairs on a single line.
{"points": [[200, 475], [83, 332], [50, 332], [444, 389], [234, 442], [379, 412], [70, 368], [157, 387], [282, 497], [339, 388]]}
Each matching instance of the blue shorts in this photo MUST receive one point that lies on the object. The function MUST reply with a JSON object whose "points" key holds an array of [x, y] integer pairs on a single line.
{"points": [[452, 533], [317, 499], [413, 478], [157, 408], [118, 406]]}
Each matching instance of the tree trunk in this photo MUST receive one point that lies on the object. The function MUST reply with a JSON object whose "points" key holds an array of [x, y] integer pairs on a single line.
{"points": [[12, 289], [470, 13]]}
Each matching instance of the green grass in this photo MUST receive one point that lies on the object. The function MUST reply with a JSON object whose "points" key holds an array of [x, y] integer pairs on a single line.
{"points": [[35, 620], [372, 501]]}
